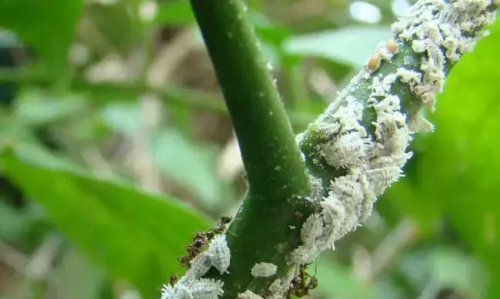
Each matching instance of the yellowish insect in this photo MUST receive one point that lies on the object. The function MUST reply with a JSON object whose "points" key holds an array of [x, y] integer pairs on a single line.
{"points": [[374, 62], [392, 46]]}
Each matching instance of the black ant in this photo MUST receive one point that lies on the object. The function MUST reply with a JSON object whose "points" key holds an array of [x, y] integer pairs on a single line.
{"points": [[202, 238], [302, 283], [173, 280], [221, 226]]}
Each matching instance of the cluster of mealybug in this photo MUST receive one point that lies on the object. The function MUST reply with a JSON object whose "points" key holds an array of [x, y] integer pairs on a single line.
{"points": [[248, 295], [434, 35], [208, 249], [192, 285], [439, 33]]}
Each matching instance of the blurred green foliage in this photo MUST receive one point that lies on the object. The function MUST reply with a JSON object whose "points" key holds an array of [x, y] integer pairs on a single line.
{"points": [[107, 219], [78, 141], [48, 27]]}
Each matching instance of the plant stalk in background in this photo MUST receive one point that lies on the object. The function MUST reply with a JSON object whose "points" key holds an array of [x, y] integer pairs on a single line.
{"points": [[298, 207]]}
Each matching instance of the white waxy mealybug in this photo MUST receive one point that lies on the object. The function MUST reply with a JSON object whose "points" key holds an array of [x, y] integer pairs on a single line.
{"points": [[346, 150], [182, 292], [220, 253], [278, 288], [199, 266], [381, 178], [248, 295], [311, 229], [206, 289], [304, 254], [264, 270], [167, 292]]}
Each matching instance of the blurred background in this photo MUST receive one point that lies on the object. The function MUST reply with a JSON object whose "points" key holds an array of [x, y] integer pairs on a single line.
{"points": [[116, 148]]}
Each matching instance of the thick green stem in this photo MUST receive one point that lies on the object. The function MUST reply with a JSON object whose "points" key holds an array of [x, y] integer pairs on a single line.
{"points": [[272, 160], [264, 230]]}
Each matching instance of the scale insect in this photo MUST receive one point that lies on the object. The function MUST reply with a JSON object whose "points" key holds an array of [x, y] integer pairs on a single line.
{"points": [[219, 253], [392, 46], [206, 289], [374, 62], [264, 270]]}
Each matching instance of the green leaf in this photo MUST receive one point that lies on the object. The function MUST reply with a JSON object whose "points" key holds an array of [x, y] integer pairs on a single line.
{"points": [[134, 235], [444, 267], [453, 269], [120, 29], [48, 26], [190, 164], [123, 117], [458, 171], [336, 281], [35, 107], [12, 222], [351, 45]]}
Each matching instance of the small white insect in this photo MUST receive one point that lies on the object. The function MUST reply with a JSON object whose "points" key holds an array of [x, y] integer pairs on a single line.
{"points": [[419, 46], [346, 151], [409, 77], [381, 178], [248, 295], [167, 292], [182, 292], [264, 269], [311, 229], [306, 253], [220, 253], [199, 266], [334, 217], [206, 289]]}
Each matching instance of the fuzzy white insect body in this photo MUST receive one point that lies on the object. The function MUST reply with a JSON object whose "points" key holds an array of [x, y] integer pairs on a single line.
{"points": [[248, 295], [264, 269], [182, 292], [219, 253], [167, 292], [199, 266], [347, 151], [206, 289], [311, 229]]}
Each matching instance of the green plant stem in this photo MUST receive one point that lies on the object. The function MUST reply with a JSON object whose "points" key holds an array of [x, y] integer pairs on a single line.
{"points": [[276, 173], [259, 118]]}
